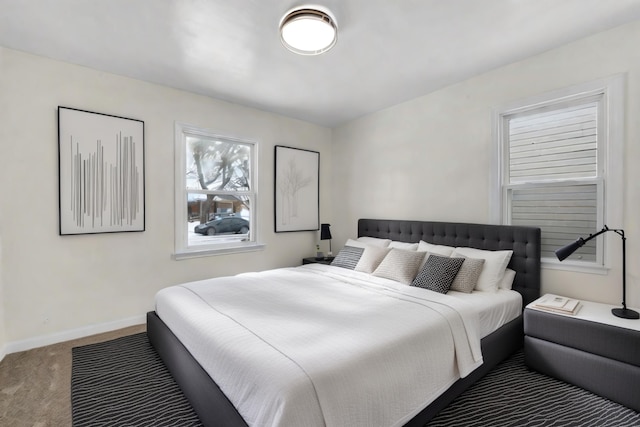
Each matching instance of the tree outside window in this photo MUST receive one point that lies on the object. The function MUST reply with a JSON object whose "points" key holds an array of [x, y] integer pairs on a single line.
{"points": [[217, 184]]}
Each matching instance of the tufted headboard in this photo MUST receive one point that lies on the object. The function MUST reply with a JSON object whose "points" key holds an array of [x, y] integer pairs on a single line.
{"points": [[524, 241]]}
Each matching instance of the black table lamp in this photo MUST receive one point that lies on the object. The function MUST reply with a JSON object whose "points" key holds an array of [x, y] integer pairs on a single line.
{"points": [[565, 251], [325, 234]]}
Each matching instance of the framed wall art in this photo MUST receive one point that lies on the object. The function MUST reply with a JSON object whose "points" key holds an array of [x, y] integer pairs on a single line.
{"points": [[101, 172], [297, 185]]}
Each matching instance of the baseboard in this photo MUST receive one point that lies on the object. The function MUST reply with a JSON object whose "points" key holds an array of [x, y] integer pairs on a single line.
{"points": [[72, 334]]}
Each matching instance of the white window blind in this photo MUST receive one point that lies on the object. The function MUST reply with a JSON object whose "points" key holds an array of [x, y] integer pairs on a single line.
{"points": [[559, 161], [556, 144], [563, 212]]}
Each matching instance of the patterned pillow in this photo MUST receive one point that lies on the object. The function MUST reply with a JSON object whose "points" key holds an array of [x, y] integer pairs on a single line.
{"points": [[467, 276], [438, 273], [430, 248], [348, 257], [400, 265]]}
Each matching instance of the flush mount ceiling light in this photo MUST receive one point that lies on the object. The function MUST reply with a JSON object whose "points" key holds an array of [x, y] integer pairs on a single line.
{"points": [[308, 30]]}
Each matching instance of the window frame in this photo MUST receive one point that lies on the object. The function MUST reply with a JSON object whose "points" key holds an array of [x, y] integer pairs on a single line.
{"points": [[182, 248], [610, 180]]}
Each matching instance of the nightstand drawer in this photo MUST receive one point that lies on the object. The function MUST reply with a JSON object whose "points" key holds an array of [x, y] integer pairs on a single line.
{"points": [[604, 340], [614, 380]]}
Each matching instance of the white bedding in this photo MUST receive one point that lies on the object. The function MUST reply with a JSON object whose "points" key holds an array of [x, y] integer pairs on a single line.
{"points": [[494, 308], [317, 345]]}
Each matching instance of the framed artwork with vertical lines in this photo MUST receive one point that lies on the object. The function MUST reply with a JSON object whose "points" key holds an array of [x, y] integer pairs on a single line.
{"points": [[101, 172]]}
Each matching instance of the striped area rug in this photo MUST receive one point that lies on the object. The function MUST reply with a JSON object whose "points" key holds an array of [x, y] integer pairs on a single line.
{"points": [[124, 383], [513, 396]]}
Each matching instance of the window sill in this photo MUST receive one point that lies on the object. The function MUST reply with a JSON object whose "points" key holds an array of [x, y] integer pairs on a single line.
{"points": [[576, 267], [199, 253]]}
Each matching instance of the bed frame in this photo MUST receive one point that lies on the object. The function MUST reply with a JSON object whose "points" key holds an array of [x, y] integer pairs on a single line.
{"points": [[213, 407]]}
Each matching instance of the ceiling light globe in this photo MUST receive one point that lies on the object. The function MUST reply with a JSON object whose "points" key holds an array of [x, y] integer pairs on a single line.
{"points": [[308, 31]]}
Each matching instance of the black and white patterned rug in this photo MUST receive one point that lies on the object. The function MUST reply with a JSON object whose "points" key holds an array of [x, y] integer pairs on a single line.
{"points": [[123, 382], [513, 396]]}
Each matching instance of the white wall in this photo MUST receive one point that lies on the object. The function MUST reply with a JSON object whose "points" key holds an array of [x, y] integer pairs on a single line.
{"points": [[431, 158], [57, 286], [3, 337], [3, 109]]}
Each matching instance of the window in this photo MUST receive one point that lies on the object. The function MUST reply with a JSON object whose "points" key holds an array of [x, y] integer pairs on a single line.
{"points": [[215, 193], [560, 167]]}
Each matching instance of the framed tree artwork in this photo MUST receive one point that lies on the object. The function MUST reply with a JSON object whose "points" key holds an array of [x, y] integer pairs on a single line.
{"points": [[101, 172], [297, 185]]}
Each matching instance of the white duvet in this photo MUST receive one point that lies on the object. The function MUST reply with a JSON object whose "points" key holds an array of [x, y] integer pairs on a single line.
{"points": [[323, 346]]}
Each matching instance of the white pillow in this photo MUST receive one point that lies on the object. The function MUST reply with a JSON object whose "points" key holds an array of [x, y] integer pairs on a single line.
{"points": [[356, 243], [404, 245], [507, 279], [374, 241], [494, 266], [400, 265], [430, 248], [371, 257], [435, 249]]}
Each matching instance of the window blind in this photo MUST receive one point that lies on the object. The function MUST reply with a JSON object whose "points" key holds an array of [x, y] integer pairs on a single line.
{"points": [[549, 150], [563, 212], [551, 145]]}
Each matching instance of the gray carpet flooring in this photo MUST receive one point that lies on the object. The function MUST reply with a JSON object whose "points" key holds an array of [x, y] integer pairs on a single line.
{"points": [[123, 382]]}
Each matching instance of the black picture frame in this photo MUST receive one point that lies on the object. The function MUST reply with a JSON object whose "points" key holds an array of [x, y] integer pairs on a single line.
{"points": [[296, 189], [100, 173]]}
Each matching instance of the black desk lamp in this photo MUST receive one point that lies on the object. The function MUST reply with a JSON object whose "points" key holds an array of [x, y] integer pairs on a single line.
{"points": [[325, 234], [565, 251]]}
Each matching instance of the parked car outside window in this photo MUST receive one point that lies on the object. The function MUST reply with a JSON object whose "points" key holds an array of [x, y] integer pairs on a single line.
{"points": [[223, 226]]}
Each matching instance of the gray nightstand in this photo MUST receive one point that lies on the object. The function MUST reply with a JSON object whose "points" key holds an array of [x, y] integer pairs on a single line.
{"points": [[592, 349], [313, 260]]}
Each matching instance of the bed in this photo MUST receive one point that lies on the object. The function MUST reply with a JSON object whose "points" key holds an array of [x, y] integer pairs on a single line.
{"points": [[213, 406]]}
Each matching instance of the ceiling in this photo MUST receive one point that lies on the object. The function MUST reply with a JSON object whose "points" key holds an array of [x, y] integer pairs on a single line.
{"points": [[388, 51]]}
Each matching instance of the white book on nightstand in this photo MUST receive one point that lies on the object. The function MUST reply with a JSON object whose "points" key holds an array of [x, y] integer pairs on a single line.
{"points": [[593, 312], [557, 304]]}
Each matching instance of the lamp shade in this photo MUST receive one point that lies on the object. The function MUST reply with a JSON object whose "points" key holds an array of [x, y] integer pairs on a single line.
{"points": [[325, 232], [308, 31], [565, 251]]}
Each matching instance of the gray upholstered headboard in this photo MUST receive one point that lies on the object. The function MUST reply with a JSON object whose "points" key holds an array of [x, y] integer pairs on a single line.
{"points": [[524, 241]]}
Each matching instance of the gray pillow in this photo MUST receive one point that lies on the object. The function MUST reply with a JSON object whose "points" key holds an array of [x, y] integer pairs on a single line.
{"points": [[400, 265], [467, 276], [438, 273], [348, 257]]}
